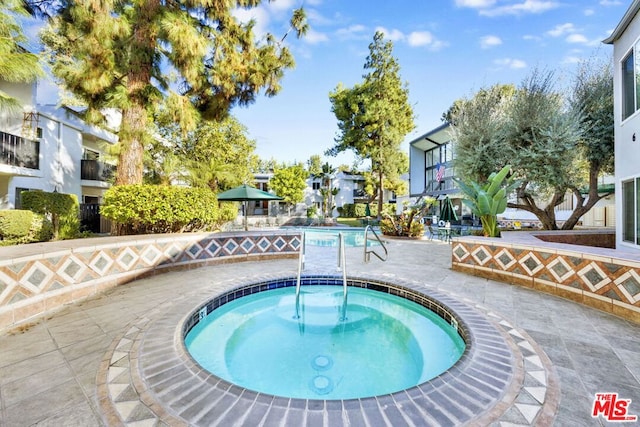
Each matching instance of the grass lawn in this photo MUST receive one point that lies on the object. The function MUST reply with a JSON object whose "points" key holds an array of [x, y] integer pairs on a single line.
{"points": [[351, 222]]}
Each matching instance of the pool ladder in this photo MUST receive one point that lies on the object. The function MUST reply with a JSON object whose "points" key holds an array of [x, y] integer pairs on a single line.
{"points": [[367, 252], [342, 264]]}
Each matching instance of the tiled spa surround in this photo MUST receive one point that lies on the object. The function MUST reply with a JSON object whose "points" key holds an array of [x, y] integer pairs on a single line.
{"points": [[602, 278], [39, 278], [147, 376]]}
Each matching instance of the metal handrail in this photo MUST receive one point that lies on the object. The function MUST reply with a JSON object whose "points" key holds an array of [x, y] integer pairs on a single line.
{"points": [[342, 261], [300, 268], [367, 253]]}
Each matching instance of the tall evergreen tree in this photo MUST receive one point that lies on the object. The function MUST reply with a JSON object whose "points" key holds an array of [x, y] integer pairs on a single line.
{"points": [[131, 55], [375, 115], [17, 65]]}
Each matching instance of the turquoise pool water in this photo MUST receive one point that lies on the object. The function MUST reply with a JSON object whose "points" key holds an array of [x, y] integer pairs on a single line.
{"points": [[328, 236], [386, 344]]}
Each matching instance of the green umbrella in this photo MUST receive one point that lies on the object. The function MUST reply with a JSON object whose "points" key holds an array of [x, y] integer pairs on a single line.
{"points": [[447, 212], [245, 193]]}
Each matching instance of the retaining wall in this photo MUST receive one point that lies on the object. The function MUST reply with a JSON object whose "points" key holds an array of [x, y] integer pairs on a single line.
{"points": [[39, 278], [606, 279]]}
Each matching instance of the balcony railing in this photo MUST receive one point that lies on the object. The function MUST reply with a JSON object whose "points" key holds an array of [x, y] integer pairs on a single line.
{"points": [[357, 193], [18, 151], [95, 170]]}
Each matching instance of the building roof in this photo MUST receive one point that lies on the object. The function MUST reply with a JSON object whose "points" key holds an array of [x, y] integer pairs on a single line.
{"points": [[624, 22], [433, 138]]}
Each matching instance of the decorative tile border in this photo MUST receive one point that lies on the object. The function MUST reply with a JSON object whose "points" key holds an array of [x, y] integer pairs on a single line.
{"points": [[36, 283], [607, 283]]}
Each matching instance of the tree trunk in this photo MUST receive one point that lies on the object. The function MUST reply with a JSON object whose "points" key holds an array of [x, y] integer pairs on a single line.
{"points": [[134, 117], [592, 198], [130, 158]]}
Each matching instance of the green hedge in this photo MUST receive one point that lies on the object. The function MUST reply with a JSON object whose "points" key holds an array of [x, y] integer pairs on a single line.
{"points": [[143, 209], [358, 210], [63, 209], [22, 226]]}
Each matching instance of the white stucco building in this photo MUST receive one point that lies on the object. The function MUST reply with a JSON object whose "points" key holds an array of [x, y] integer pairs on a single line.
{"points": [[50, 148], [626, 82]]}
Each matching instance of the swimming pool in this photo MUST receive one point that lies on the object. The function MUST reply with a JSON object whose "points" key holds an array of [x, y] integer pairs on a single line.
{"points": [[328, 236], [385, 344]]}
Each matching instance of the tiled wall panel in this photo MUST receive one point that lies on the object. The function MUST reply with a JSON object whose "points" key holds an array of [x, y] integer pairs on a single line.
{"points": [[33, 284], [607, 283]]}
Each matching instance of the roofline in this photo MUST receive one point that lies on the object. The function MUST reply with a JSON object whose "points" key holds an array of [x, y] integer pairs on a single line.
{"points": [[624, 22], [432, 131]]}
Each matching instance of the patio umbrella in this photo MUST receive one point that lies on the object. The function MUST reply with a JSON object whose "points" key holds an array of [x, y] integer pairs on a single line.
{"points": [[245, 193], [447, 212]]}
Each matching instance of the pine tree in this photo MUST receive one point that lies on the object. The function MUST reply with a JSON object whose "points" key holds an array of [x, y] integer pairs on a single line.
{"points": [[134, 55], [375, 115], [17, 65]]}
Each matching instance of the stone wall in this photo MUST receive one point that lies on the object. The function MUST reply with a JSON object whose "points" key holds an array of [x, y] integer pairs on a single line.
{"points": [[602, 278], [39, 278]]}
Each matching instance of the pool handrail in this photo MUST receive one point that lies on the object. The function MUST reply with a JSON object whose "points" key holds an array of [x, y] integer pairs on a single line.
{"points": [[367, 253]]}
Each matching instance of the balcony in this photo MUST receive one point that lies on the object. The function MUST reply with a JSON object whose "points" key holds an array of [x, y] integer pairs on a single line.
{"points": [[95, 170], [18, 151], [359, 194]]}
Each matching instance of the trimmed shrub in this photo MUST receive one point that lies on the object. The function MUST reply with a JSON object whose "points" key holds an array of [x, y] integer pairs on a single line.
{"points": [[144, 209], [22, 226], [63, 209], [15, 224]]}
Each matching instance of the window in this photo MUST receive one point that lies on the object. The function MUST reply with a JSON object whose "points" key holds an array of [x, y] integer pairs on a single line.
{"points": [[19, 191], [90, 155], [631, 82], [438, 156], [631, 211], [315, 185]]}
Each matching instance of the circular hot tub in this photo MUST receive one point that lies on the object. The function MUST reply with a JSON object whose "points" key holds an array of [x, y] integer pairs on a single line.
{"points": [[325, 345]]}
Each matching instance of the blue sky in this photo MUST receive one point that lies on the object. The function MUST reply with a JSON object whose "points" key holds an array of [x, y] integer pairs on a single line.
{"points": [[446, 49]]}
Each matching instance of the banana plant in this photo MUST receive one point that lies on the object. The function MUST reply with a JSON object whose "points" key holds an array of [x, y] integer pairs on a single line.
{"points": [[489, 200]]}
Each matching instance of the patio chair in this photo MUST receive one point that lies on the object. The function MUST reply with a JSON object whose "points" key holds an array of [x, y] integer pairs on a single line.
{"points": [[433, 232]]}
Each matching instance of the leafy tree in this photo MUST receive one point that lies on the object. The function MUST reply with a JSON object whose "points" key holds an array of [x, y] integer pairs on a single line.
{"points": [[314, 165], [17, 65], [375, 115], [554, 146], [289, 183], [132, 55]]}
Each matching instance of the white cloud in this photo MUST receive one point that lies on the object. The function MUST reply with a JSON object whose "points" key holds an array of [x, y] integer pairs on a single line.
{"points": [[562, 29], [393, 35], [577, 38], [315, 37], [259, 15], [355, 31], [420, 38], [487, 42], [510, 63], [475, 4], [610, 3], [522, 8], [282, 5], [589, 12]]}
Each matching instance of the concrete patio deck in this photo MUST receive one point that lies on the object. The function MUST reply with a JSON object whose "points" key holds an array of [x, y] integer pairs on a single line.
{"points": [[50, 372]]}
